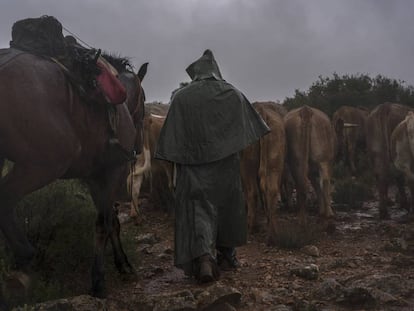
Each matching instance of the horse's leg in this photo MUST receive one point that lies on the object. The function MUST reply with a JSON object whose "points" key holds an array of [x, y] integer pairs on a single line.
{"points": [[135, 191], [107, 227], [120, 258], [400, 181], [299, 171], [325, 184], [101, 238], [316, 181], [115, 178]]}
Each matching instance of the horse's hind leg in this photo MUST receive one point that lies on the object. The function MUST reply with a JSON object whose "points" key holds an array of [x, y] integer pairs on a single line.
{"points": [[20, 181], [321, 183]]}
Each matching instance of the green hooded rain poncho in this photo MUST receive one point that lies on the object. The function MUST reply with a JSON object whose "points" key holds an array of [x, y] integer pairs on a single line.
{"points": [[209, 122]]}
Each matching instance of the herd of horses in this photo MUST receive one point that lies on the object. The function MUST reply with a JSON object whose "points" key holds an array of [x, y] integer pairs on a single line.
{"points": [[304, 144], [300, 152]]}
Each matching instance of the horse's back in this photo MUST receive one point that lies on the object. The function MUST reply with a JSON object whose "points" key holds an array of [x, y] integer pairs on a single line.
{"points": [[34, 110], [28, 76]]}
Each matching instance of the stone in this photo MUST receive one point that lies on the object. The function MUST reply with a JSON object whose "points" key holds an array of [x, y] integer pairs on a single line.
{"points": [[390, 283], [78, 303], [263, 296], [329, 289], [311, 250], [147, 238], [217, 294], [220, 307], [175, 301], [215, 297], [358, 296], [280, 308], [310, 272]]}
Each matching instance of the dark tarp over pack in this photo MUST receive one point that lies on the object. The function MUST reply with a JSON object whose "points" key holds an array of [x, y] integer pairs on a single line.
{"points": [[41, 36], [209, 122], [84, 67]]}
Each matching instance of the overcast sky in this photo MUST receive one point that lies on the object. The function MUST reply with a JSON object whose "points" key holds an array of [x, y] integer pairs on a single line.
{"points": [[266, 48]]}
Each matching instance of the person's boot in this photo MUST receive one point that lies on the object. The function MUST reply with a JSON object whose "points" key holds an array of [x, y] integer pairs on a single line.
{"points": [[226, 258], [208, 271]]}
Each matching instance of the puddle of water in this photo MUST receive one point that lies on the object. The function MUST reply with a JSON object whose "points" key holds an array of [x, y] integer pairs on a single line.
{"points": [[363, 215], [358, 219], [350, 227]]}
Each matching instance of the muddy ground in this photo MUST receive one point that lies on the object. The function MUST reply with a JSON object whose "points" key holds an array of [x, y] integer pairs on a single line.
{"points": [[364, 264]]}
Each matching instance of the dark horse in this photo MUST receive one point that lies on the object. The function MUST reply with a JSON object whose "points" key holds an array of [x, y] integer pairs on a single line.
{"points": [[50, 132]]}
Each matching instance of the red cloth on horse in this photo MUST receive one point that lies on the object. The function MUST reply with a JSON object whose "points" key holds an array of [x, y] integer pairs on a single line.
{"points": [[109, 84]]}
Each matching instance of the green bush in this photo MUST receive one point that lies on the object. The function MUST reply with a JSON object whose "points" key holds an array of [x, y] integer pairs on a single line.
{"points": [[353, 190], [59, 221], [330, 93]]}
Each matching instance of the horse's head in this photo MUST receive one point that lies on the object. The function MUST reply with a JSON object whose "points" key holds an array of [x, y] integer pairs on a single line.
{"points": [[136, 104], [135, 93], [135, 100]]}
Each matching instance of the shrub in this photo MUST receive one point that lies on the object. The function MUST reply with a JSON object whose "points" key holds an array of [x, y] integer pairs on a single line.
{"points": [[59, 221]]}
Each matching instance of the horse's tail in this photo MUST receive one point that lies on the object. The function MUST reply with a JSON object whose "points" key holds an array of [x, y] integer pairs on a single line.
{"points": [[147, 162], [385, 130], [305, 132]]}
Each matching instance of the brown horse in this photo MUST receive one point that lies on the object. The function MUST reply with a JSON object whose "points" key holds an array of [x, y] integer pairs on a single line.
{"points": [[50, 132]]}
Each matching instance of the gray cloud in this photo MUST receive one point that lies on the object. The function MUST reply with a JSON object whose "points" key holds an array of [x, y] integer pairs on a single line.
{"points": [[267, 48]]}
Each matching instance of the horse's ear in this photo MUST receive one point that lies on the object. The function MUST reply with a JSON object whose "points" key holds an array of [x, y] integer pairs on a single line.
{"points": [[142, 71]]}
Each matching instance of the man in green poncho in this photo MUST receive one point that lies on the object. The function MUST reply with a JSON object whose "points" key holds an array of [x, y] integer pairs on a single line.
{"points": [[209, 122]]}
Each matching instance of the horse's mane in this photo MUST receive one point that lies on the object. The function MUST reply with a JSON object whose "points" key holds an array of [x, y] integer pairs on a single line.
{"points": [[122, 64]]}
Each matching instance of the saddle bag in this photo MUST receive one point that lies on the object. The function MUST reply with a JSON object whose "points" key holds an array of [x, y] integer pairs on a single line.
{"points": [[109, 84]]}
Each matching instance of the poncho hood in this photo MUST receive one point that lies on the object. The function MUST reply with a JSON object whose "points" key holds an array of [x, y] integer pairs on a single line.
{"points": [[208, 120], [205, 67]]}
